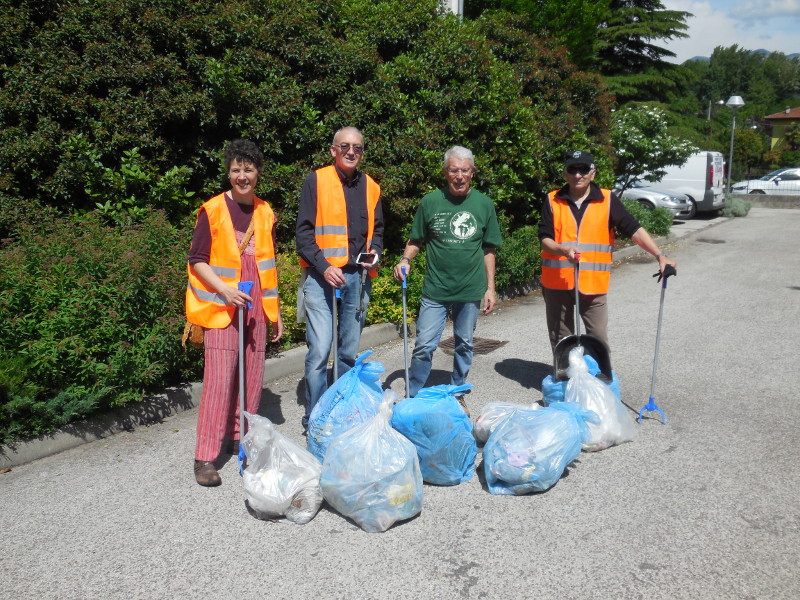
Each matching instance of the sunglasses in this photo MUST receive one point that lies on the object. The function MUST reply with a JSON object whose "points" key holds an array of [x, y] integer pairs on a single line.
{"points": [[582, 169], [345, 148]]}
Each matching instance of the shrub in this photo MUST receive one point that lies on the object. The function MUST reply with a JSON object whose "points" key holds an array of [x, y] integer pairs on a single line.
{"points": [[91, 317], [736, 206], [518, 259], [657, 222]]}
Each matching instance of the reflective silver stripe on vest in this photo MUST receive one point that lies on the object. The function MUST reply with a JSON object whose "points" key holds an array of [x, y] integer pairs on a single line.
{"points": [[584, 247], [270, 293], [330, 230], [223, 271], [585, 266], [595, 248], [205, 296], [263, 265], [331, 252]]}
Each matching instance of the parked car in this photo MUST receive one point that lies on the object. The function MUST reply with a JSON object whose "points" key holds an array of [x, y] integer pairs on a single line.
{"points": [[700, 178], [781, 181], [679, 205]]}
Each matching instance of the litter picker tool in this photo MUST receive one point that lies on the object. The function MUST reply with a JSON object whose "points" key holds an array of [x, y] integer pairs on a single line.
{"points": [[244, 286], [361, 290], [337, 293], [405, 330], [591, 345], [651, 404]]}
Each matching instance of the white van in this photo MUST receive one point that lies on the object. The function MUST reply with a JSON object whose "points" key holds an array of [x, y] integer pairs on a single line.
{"points": [[700, 179]]}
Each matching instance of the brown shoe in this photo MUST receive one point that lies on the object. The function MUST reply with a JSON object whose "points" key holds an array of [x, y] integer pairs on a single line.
{"points": [[205, 473]]}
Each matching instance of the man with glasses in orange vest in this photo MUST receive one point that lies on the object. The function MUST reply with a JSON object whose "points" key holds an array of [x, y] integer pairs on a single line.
{"points": [[339, 239], [577, 226]]}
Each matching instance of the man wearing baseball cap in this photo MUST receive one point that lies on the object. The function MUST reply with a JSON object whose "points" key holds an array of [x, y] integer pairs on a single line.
{"points": [[577, 225]]}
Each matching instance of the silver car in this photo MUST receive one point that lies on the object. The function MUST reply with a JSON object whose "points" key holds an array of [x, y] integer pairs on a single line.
{"points": [[781, 181], [679, 205]]}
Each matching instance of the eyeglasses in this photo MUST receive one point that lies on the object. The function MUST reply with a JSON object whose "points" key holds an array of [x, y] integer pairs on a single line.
{"points": [[346, 148], [582, 169], [464, 172]]}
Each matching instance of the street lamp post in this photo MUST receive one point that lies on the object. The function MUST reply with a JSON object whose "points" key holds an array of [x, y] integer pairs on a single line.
{"points": [[734, 103]]}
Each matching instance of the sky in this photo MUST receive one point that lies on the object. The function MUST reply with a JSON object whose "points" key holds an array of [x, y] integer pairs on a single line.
{"points": [[773, 25]]}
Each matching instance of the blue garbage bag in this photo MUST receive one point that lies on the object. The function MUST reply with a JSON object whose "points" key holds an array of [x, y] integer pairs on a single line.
{"points": [[529, 451], [441, 431], [554, 391], [371, 473], [352, 399]]}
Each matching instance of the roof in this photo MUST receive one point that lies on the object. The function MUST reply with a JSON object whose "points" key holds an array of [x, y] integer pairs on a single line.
{"points": [[789, 113]]}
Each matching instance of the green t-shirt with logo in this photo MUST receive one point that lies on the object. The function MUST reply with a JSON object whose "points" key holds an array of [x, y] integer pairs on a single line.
{"points": [[455, 229]]}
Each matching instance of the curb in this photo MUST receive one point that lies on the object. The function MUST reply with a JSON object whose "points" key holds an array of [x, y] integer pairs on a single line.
{"points": [[289, 363], [171, 402]]}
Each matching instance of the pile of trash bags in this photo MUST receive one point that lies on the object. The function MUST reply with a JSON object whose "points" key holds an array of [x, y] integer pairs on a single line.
{"points": [[368, 455]]}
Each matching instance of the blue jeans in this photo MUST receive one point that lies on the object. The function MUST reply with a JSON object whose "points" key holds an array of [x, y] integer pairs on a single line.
{"points": [[430, 325], [317, 296]]}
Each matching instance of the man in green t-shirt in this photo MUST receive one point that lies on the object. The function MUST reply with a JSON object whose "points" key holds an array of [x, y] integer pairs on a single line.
{"points": [[458, 225]]}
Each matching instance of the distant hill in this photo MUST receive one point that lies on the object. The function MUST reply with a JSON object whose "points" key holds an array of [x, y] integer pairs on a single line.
{"points": [[759, 51]]}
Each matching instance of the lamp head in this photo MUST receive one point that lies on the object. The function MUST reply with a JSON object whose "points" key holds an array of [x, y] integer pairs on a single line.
{"points": [[735, 102]]}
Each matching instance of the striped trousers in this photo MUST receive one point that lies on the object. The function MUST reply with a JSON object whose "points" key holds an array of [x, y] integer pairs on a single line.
{"points": [[218, 416]]}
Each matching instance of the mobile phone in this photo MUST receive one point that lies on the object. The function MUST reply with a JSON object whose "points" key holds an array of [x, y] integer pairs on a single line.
{"points": [[368, 258]]}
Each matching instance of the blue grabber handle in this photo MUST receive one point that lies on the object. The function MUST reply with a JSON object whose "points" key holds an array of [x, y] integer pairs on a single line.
{"points": [[403, 271], [246, 286]]}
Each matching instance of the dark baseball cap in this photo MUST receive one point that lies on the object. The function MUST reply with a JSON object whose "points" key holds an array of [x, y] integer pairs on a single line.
{"points": [[579, 157]]}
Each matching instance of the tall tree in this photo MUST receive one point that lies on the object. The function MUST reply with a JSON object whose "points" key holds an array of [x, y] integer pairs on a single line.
{"points": [[572, 23], [627, 50]]}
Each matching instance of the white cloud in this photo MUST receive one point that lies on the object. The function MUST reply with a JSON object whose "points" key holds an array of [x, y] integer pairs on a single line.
{"points": [[771, 9], [725, 23]]}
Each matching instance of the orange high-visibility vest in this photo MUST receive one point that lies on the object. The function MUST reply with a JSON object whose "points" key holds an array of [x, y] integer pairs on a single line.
{"points": [[330, 227], [594, 240], [206, 307]]}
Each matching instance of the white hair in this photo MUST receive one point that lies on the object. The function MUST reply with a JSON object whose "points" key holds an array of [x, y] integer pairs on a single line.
{"points": [[343, 129], [458, 152]]}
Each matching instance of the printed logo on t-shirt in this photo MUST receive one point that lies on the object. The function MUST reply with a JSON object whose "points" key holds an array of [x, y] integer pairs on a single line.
{"points": [[463, 225]]}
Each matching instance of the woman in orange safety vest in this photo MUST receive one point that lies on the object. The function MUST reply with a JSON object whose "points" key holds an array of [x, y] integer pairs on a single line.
{"points": [[233, 241]]}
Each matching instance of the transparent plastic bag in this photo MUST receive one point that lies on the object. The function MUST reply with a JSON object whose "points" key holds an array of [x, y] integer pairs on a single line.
{"points": [[371, 473], [616, 424], [351, 400], [493, 414], [554, 391], [441, 431], [281, 481], [530, 449]]}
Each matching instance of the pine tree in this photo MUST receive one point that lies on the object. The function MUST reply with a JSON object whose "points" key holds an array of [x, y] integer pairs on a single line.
{"points": [[626, 49]]}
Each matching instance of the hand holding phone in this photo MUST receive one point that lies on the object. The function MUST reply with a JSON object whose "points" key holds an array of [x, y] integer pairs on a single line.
{"points": [[367, 258]]}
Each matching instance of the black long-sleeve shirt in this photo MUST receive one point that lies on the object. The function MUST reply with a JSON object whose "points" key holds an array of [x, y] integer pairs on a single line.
{"points": [[618, 216], [355, 196]]}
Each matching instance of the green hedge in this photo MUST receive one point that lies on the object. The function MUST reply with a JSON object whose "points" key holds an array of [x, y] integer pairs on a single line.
{"points": [[657, 222], [91, 318], [92, 88]]}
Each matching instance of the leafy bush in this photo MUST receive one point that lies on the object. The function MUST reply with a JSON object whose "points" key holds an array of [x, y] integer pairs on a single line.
{"points": [[519, 259], [657, 222], [91, 317], [736, 206], [98, 98]]}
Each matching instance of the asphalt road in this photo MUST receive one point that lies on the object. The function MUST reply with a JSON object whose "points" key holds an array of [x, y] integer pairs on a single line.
{"points": [[705, 506]]}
